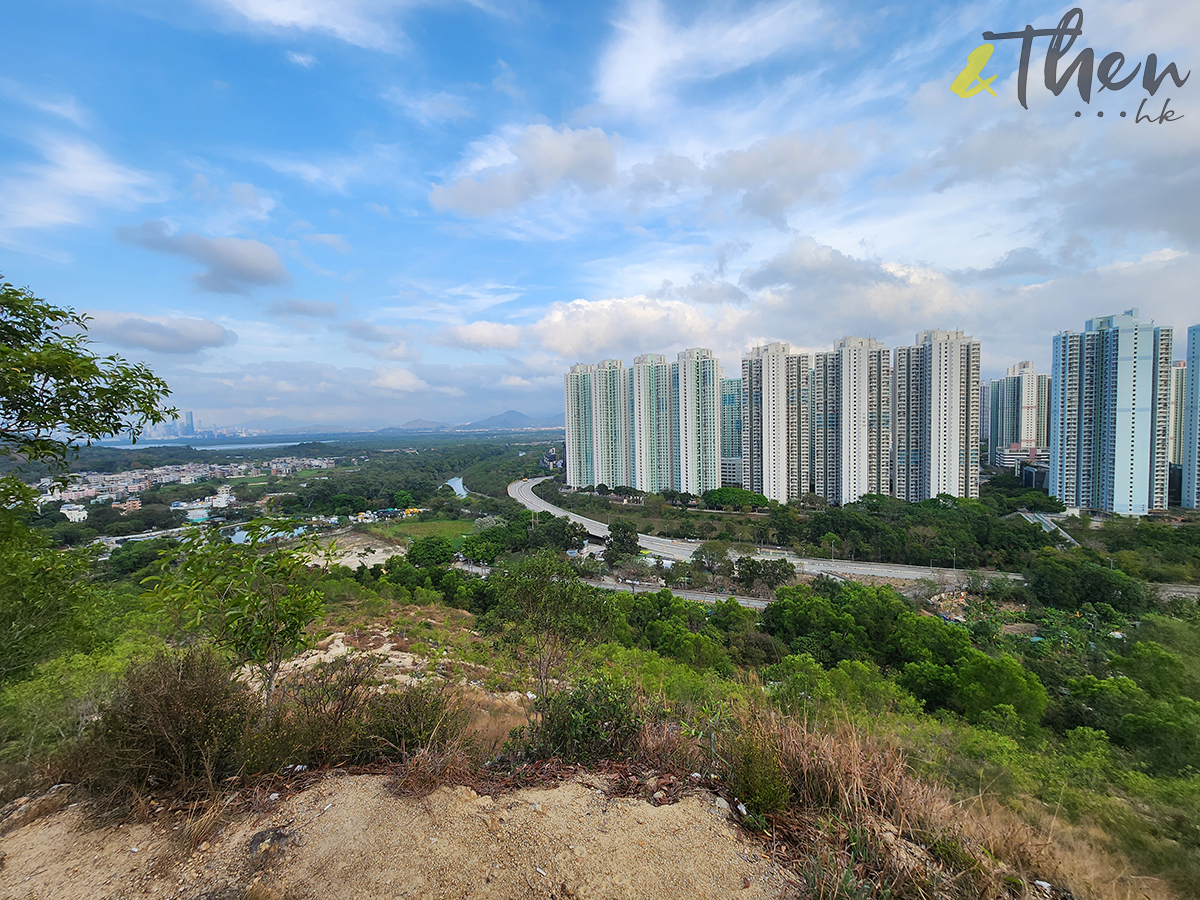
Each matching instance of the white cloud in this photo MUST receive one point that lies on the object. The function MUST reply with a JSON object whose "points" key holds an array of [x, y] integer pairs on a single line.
{"points": [[651, 56], [373, 24], [432, 108], [378, 341], [379, 209], [365, 23], [770, 177], [543, 158], [482, 335], [397, 380], [308, 308], [74, 179], [591, 328], [231, 265], [332, 241], [506, 81], [164, 334], [247, 197], [63, 107], [336, 172], [305, 60]]}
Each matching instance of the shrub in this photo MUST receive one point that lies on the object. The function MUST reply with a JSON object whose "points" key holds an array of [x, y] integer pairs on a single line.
{"points": [[175, 724], [756, 776], [317, 719], [597, 719], [419, 716]]}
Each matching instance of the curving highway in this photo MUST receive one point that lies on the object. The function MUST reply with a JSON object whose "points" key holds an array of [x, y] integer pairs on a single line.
{"points": [[668, 548]]}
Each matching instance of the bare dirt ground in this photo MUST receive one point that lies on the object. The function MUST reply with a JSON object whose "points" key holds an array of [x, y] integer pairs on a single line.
{"points": [[356, 549], [348, 837]]}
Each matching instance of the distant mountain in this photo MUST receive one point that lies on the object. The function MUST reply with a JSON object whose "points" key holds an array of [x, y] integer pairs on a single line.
{"points": [[284, 425], [512, 420], [415, 425]]}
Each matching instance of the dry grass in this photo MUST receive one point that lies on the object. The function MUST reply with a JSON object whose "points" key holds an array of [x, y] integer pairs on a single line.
{"points": [[1084, 858], [491, 720], [198, 828]]}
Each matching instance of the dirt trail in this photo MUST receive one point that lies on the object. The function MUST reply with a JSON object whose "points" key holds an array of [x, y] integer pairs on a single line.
{"points": [[347, 837]]}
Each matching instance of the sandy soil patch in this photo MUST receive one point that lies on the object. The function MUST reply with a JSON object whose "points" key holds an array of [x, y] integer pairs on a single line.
{"points": [[347, 837], [358, 549]]}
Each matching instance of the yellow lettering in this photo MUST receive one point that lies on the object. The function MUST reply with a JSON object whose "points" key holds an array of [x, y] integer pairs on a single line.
{"points": [[968, 83]]}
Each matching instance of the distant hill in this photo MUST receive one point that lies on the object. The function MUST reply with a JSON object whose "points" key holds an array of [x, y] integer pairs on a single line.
{"points": [[513, 420], [415, 425]]}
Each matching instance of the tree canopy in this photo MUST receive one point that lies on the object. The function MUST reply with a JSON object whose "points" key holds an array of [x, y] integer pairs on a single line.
{"points": [[55, 393]]}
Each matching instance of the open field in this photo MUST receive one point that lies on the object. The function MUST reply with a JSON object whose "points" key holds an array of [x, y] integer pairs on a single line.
{"points": [[409, 529]]}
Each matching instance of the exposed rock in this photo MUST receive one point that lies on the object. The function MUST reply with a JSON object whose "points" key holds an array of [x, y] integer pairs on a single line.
{"points": [[268, 845], [25, 809]]}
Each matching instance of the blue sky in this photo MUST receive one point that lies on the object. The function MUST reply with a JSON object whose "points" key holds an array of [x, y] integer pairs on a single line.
{"points": [[360, 212]]}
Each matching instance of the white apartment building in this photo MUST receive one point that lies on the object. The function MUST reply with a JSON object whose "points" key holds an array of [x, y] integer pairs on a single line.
{"points": [[1019, 416], [610, 424], [698, 377], [935, 423], [1108, 415], [776, 430], [577, 386], [655, 426], [851, 400], [652, 417], [731, 432]]}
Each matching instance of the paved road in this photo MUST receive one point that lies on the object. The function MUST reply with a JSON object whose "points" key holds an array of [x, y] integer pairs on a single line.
{"points": [[668, 548], [612, 584]]}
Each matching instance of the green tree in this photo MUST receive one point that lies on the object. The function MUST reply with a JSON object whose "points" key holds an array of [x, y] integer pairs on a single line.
{"points": [[433, 550], [984, 682], [622, 541], [54, 395], [547, 605], [255, 598]]}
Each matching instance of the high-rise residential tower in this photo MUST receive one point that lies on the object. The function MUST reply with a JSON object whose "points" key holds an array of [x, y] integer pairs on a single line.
{"points": [[731, 432], [652, 417], [851, 404], [935, 424], [1190, 437], [655, 426], [1019, 416], [1175, 412], [985, 404], [775, 423], [577, 385], [696, 382], [610, 424], [1109, 405]]}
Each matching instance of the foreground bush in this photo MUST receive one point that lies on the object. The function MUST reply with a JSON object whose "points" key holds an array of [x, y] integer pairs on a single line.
{"points": [[597, 719], [756, 774], [182, 722], [175, 724]]}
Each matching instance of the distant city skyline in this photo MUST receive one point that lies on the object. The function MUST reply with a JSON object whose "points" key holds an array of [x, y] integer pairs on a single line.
{"points": [[360, 214]]}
